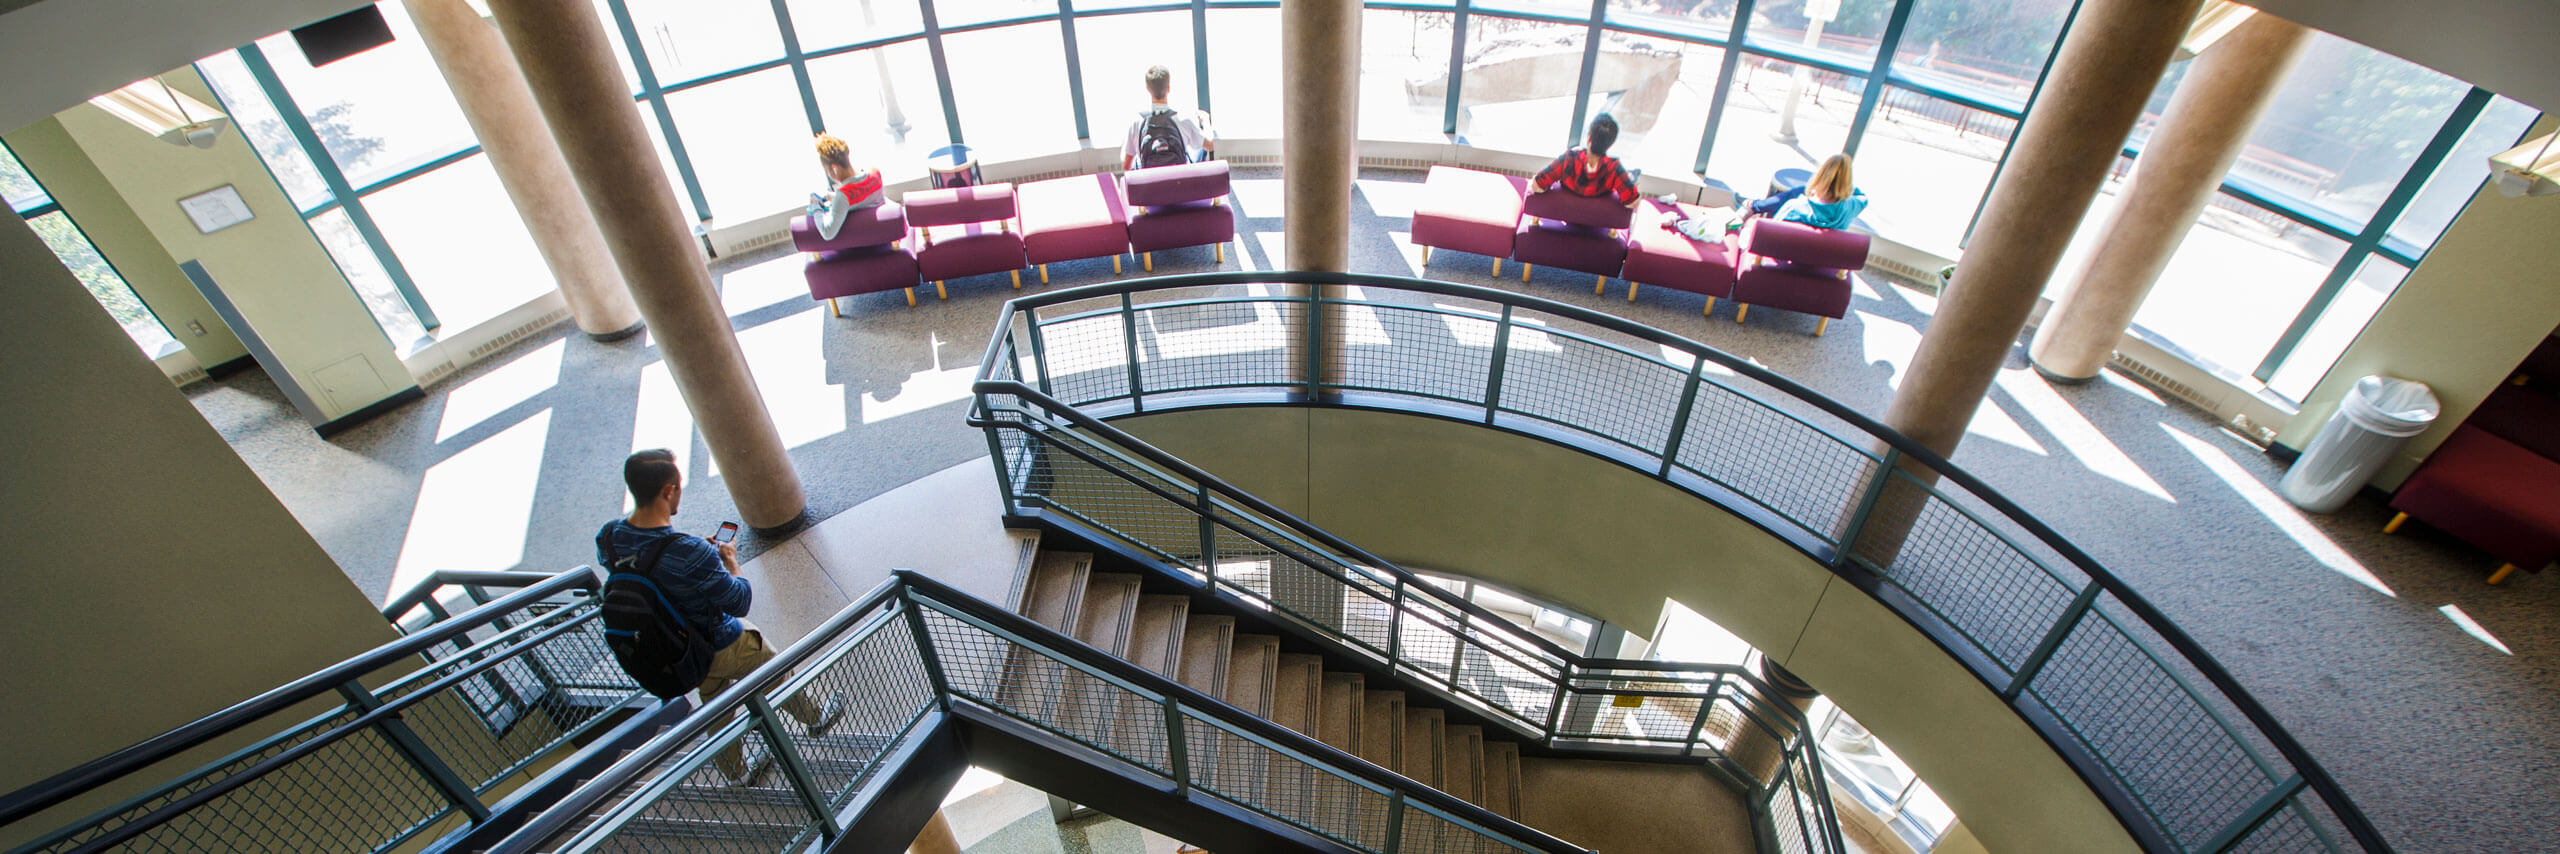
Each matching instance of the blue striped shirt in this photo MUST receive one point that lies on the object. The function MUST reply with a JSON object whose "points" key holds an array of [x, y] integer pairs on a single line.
{"points": [[691, 575]]}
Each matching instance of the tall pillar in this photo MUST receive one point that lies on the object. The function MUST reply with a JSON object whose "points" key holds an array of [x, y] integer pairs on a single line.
{"points": [[1759, 754], [2200, 137], [2109, 63], [494, 98], [1320, 129], [568, 61], [936, 838]]}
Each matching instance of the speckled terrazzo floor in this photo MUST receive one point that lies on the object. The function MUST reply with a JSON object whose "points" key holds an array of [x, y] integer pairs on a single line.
{"points": [[2356, 641]]}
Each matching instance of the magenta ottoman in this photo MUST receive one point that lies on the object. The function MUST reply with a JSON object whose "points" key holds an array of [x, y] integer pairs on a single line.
{"points": [[1469, 211], [965, 231], [868, 255], [1179, 206], [1797, 267], [1665, 258], [1070, 218]]}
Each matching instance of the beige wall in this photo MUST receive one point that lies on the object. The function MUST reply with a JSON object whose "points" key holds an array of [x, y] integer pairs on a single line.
{"points": [[155, 578], [2483, 298], [271, 267], [1560, 525], [119, 233]]}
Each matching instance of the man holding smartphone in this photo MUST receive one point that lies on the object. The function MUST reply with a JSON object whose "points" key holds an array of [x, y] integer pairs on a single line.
{"points": [[700, 579]]}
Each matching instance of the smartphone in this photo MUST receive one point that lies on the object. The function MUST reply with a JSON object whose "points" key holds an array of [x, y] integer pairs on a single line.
{"points": [[728, 533]]}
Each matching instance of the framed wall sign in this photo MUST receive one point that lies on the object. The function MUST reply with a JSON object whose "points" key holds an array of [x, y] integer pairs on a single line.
{"points": [[216, 209]]}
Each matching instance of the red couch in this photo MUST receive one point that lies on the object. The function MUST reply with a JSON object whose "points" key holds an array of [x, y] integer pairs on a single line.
{"points": [[2496, 481]]}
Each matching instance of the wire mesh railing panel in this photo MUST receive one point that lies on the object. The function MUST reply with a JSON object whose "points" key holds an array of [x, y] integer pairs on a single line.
{"points": [[2186, 770], [81, 832], [1502, 682], [1427, 641], [1087, 357], [1317, 798], [723, 796], [1802, 473], [1995, 596], [1038, 688], [1425, 352], [1590, 388], [1423, 831], [2300, 823], [1113, 499], [1223, 344], [548, 711], [879, 683], [353, 794]]}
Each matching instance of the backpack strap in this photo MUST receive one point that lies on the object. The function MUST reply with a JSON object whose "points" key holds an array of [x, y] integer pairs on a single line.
{"points": [[647, 563]]}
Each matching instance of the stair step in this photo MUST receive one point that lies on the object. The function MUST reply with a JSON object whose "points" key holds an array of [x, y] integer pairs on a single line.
{"points": [[1382, 728], [1425, 734], [1205, 641], [1110, 611], [1156, 642], [1463, 763], [1253, 664], [1297, 691], [1055, 594], [1026, 550], [1502, 778], [1338, 711]]}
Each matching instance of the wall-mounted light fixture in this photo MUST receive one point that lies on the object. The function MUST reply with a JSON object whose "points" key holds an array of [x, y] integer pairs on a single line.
{"points": [[164, 112], [2531, 169]]}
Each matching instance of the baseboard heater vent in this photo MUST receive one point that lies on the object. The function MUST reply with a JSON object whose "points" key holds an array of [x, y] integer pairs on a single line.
{"points": [[187, 376], [1926, 279], [513, 335], [1399, 163], [2152, 377]]}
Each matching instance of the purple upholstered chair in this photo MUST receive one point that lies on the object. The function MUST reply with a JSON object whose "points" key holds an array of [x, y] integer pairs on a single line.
{"points": [[965, 231], [1469, 211], [1561, 229], [1070, 218], [1797, 267], [869, 255], [1179, 206], [1660, 256]]}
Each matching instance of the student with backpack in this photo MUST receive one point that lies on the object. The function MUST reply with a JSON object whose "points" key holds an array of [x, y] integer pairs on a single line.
{"points": [[674, 603], [1162, 135]]}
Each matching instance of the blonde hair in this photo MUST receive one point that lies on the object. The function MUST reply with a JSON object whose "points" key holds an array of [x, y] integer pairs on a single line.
{"points": [[1831, 181], [833, 151]]}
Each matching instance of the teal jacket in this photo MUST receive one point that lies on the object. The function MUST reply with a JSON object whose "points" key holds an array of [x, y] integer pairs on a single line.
{"points": [[1824, 214]]}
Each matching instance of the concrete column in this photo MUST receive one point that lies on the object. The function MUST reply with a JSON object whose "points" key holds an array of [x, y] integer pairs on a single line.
{"points": [[2108, 65], [1320, 128], [2200, 137], [937, 837], [1753, 749], [568, 60], [495, 99]]}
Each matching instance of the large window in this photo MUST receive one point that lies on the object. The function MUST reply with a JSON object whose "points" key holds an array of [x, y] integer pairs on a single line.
{"points": [[1660, 93], [1926, 162], [28, 199], [1404, 74], [1780, 115], [1114, 52], [1520, 80], [1244, 65]]}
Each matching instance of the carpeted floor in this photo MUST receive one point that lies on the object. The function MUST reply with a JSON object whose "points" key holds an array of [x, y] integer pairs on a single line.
{"points": [[2422, 690]]}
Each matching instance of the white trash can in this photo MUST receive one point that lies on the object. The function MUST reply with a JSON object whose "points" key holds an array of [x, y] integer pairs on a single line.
{"points": [[2376, 417]]}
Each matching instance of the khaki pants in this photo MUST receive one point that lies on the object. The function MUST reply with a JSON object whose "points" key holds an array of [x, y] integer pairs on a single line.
{"points": [[734, 662]]}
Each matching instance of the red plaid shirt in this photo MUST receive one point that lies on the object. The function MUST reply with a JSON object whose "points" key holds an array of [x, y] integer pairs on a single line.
{"points": [[1607, 178]]}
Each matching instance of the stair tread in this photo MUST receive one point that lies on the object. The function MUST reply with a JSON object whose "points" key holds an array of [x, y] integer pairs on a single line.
{"points": [[1026, 549], [1110, 610], [1502, 778], [1382, 728], [1339, 711], [1205, 639], [1463, 763], [1155, 643], [1297, 691], [1055, 594], [1424, 734], [1253, 663]]}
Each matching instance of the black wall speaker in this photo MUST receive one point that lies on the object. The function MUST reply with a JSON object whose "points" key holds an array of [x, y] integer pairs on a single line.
{"points": [[343, 36]]}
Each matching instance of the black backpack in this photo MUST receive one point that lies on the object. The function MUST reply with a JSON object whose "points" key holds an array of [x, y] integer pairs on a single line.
{"points": [[652, 640], [1160, 142]]}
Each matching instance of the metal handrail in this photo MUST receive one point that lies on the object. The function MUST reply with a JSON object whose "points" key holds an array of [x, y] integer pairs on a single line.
{"points": [[426, 589], [81, 779], [1901, 453]]}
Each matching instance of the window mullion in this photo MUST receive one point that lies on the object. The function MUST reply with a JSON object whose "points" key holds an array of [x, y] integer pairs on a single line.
{"points": [[1458, 63], [1200, 53], [1075, 70], [1876, 73], [941, 70], [1590, 69], [799, 65], [255, 59], [1724, 82], [657, 98]]}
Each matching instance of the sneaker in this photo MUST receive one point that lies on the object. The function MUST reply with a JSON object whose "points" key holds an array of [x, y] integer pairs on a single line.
{"points": [[758, 762], [830, 713]]}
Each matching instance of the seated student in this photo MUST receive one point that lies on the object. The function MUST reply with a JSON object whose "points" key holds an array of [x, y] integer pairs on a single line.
{"points": [[1164, 136], [1830, 200], [849, 190], [1589, 170]]}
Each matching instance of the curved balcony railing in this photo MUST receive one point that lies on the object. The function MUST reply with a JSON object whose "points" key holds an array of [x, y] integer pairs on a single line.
{"points": [[2186, 759]]}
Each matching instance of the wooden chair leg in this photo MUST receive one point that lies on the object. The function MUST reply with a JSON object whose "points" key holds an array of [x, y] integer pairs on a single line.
{"points": [[1426, 255], [1115, 264], [1149, 262], [834, 306], [1044, 274], [1017, 276], [2504, 570], [2393, 526], [1711, 307], [1818, 326], [939, 292], [1631, 290], [1524, 272], [1497, 266], [1740, 312], [1220, 253], [911, 297]]}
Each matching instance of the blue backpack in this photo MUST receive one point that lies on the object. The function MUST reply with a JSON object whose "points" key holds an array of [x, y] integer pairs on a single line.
{"points": [[652, 640]]}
